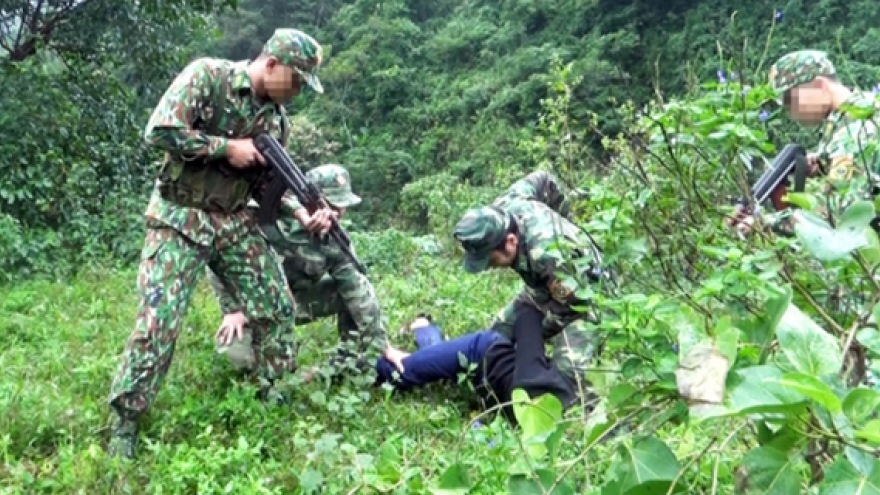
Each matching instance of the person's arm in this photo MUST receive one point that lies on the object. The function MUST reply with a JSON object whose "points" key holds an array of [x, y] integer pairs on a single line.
{"points": [[171, 126], [533, 372], [228, 304]]}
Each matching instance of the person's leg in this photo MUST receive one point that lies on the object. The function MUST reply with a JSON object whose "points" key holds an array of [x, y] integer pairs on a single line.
{"points": [[252, 275], [573, 349], [437, 362], [169, 269]]}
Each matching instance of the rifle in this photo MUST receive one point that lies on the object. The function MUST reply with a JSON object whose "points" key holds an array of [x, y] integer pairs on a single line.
{"points": [[774, 182], [286, 175]]}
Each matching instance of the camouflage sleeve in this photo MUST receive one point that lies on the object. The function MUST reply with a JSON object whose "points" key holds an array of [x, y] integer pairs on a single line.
{"points": [[851, 155], [544, 187], [564, 274], [170, 127], [228, 304], [359, 296], [289, 204]]}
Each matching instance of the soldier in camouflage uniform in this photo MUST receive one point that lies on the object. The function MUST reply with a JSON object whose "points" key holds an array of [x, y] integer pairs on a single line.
{"points": [[324, 282], [197, 216], [528, 229], [807, 85]]}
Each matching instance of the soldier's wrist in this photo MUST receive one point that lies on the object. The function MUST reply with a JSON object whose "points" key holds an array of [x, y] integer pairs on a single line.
{"points": [[219, 147]]}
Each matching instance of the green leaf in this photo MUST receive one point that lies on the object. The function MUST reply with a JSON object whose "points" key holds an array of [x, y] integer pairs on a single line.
{"points": [[310, 480], [870, 338], [538, 419], [823, 242], [809, 348], [768, 471], [759, 391], [871, 432], [842, 478], [454, 481], [813, 388], [860, 403], [857, 216], [647, 467], [801, 200], [521, 484]]}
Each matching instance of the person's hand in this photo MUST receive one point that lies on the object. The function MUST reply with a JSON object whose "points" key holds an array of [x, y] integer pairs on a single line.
{"points": [[318, 222], [242, 153], [396, 356], [742, 221], [231, 328], [813, 165]]}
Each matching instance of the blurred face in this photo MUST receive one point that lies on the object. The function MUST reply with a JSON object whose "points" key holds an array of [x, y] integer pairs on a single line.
{"points": [[501, 258], [281, 83], [809, 103]]}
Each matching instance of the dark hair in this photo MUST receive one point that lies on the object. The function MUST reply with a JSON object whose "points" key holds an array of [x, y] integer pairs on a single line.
{"points": [[511, 229]]}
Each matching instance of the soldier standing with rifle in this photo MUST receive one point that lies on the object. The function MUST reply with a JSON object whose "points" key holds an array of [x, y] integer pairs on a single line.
{"points": [[807, 85], [325, 277], [197, 216]]}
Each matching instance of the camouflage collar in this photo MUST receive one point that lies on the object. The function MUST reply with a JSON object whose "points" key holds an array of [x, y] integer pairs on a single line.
{"points": [[240, 79]]}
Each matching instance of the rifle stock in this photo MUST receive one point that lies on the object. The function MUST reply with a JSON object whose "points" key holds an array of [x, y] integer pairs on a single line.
{"points": [[287, 175]]}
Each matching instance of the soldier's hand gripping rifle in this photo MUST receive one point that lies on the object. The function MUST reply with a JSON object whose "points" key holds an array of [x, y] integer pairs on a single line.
{"points": [[773, 184], [286, 175]]}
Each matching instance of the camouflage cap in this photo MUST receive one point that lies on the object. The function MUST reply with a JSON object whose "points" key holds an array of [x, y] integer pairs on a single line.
{"points": [[335, 182], [480, 231], [298, 50], [799, 67]]}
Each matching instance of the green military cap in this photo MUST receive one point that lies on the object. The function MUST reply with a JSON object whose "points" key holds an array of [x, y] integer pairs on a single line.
{"points": [[298, 50], [335, 182], [799, 67], [480, 231]]}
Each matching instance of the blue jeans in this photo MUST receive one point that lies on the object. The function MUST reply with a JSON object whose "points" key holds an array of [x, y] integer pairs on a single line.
{"points": [[436, 362]]}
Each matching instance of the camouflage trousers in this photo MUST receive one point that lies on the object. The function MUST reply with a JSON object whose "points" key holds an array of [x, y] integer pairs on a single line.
{"points": [[170, 267], [573, 340]]}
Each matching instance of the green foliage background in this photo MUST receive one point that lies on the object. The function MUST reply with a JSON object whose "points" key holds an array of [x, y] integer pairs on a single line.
{"points": [[435, 107]]}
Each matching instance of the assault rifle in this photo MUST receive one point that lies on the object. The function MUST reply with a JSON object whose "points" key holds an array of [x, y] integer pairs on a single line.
{"points": [[774, 182], [286, 175]]}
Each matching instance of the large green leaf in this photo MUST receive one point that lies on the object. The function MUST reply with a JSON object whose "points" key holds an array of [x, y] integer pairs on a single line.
{"points": [[860, 404], [808, 347], [829, 244], [646, 467], [758, 390], [842, 478], [453, 481], [538, 419], [813, 388], [768, 471]]}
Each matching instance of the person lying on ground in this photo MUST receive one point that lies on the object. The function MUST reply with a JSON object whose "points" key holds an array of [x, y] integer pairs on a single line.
{"points": [[501, 365]]}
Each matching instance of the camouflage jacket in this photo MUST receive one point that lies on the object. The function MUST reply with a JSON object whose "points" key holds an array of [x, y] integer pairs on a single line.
{"points": [[539, 186], [177, 127], [549, 244], [849, 145], [307, 259]]}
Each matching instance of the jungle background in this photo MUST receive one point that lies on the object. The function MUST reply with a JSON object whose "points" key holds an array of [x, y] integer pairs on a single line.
{"points": [[654, 113]]}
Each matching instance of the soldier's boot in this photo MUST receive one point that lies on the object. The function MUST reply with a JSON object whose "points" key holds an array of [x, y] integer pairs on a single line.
{"points": [[123, 438]]}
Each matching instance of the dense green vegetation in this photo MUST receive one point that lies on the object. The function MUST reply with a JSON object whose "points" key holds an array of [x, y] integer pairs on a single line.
{"points": [[656, 110]]}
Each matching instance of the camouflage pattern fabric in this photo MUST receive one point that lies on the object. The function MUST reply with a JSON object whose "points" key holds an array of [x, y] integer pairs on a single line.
{"points": [[548, 243], [181, 241], [171, 265], [323, 280], [799, 67], [299, 51], [848, 143]]}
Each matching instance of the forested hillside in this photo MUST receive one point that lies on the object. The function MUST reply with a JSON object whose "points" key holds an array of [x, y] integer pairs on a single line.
{"points": [[656, 115]]}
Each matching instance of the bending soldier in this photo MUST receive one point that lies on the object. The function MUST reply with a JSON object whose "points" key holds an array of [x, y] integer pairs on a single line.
{"points": [[197, 216], [323, 281], [526, 230]]}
